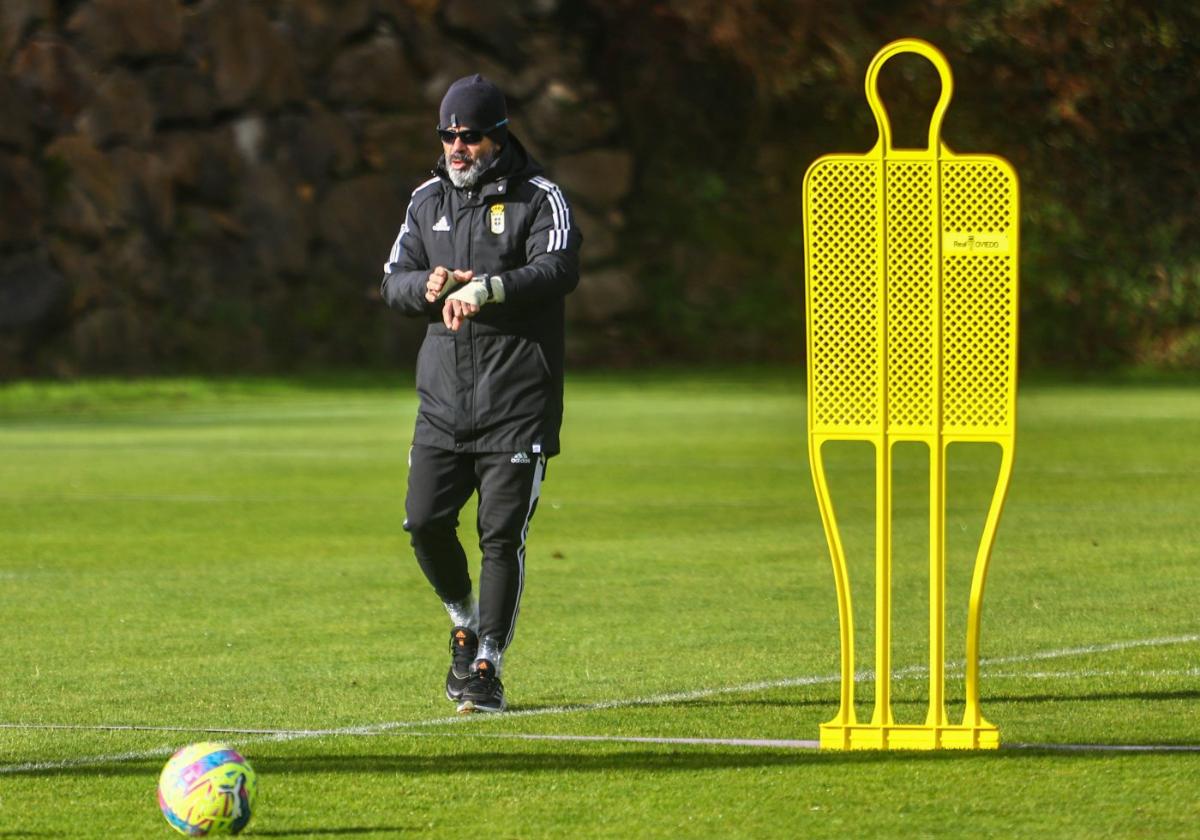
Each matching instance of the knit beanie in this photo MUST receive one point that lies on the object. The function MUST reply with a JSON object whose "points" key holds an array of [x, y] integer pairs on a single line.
{"points": [[474, 102]]}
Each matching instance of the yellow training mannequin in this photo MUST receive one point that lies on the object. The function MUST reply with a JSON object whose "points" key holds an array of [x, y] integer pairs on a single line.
{"points": [[911, 282]]}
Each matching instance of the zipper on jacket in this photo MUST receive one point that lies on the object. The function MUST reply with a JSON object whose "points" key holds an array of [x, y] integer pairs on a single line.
{"points": [[470, 325]]}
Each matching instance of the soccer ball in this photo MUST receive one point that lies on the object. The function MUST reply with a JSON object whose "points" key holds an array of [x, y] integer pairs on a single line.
{"points": [[207, 788]]}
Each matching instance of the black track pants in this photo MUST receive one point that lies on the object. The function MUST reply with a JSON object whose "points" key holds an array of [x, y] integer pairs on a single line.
{"points": [[439, 483]]}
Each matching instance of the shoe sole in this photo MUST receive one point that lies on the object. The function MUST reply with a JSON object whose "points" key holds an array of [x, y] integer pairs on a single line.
{"points": [[453, 695], [468, 707]]}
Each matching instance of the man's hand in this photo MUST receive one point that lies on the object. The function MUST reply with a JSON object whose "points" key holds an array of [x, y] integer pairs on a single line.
{"points": [[467, 301], [442, 281], [454, 312]]}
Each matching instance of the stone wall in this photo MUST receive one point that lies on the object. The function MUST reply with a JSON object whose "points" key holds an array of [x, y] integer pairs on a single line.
{"points": [[215, 185]]}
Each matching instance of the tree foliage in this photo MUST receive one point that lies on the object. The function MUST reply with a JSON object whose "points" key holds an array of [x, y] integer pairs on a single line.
{"points": [[1092, 100]]}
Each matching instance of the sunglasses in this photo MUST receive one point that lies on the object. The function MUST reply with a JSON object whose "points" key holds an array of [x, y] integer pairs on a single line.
{"points": [[470, 136]]}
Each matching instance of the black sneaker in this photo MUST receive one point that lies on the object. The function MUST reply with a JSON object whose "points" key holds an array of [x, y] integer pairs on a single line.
{"points": [[463, 646], [484, 691]]}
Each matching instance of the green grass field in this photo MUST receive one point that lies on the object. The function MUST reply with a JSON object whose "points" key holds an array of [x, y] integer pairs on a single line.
{"points": [[185, 556]]}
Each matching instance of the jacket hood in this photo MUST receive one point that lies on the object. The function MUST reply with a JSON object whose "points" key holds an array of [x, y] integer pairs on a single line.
{"points": [[514, 161]]}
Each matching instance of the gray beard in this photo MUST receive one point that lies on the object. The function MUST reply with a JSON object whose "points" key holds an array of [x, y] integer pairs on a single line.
{"points": [[469, 177]]}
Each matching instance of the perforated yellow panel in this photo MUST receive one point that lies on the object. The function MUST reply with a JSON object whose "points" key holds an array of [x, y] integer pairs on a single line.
{"points": [[911, 277], [910, 302], [979, 275], [845, 304]]}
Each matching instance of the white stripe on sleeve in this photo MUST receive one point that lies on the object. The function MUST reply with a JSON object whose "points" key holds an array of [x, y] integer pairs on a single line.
{"points": [[562, 213], [394, 256]]}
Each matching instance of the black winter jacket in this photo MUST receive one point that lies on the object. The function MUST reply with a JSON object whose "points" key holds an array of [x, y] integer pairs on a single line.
{"points": [[496, 385]]}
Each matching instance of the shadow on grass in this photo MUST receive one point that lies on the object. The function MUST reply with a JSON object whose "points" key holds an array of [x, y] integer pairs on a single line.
{"points": [[556, 760], [1096, 697], [334, 832]]}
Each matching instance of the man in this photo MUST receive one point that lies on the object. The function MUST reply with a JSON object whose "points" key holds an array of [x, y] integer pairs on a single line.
{"points": [[487, 253]]}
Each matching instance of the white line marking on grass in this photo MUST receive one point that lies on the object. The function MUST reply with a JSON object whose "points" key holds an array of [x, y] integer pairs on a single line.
{"points": [[1089, 674], [635, 739], [1089, 649], [958, 668], [800, 744], [282, 735], [778, 743], [662, 699]]}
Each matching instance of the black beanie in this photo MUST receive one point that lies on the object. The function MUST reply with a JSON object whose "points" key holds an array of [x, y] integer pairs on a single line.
{"points": [[474, 102]]}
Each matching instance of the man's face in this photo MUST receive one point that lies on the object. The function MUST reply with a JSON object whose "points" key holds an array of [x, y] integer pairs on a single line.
{"points": [[465, 162]]}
